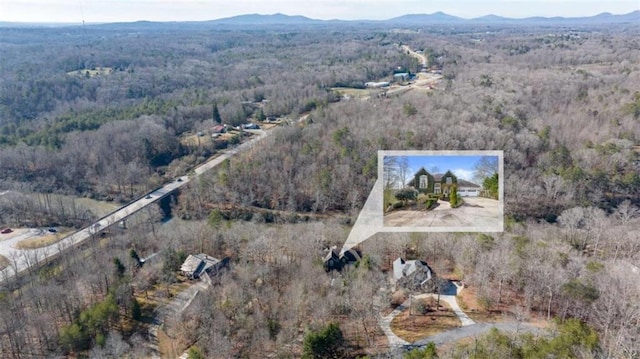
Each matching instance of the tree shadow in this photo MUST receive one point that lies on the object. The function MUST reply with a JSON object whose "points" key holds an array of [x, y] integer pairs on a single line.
{"points": [[467, 204]]}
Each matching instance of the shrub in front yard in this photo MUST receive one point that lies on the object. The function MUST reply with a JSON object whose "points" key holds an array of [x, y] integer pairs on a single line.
{"points": [[407, 194]]}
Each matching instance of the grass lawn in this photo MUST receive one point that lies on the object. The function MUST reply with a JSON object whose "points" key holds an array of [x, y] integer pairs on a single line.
{"points": [[4, 262], [44, 240], [412, 327]]}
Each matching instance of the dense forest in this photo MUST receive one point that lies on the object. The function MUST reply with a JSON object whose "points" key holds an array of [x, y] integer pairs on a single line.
{"points": [[101, 112], [67, 127]]}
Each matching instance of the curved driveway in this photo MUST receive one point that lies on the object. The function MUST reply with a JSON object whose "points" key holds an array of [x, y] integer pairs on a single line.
{"points": [[476, 214]]}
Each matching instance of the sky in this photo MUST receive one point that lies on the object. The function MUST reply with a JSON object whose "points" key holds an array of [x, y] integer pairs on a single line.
{"points": [[460, 165], [98, 11]]}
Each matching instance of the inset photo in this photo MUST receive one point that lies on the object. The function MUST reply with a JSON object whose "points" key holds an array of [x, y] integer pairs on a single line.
{"points": [[442, 191]]}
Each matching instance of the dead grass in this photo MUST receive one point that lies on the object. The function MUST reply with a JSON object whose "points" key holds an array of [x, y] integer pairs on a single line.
{"points": [[363, 342], [169, 344], [269, 125], [4, 262], [468, 302], [99, 208], [195, 140], [43, 240], [411, 326], [169, 347], [159, 295], [353, 92]]}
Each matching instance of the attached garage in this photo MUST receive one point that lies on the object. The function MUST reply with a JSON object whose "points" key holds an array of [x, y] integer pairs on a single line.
{"points": [[468, 189], [469, 192]]}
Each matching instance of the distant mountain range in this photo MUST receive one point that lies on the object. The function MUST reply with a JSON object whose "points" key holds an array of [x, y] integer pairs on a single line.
{"points": [[435, 18], [438, 18]]}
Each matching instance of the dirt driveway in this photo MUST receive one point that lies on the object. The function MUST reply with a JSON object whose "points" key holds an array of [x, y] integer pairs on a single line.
{"points": [[476, 214]]}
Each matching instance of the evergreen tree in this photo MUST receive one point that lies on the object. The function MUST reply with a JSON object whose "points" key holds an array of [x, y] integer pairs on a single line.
{"points": [[453, 200], [216, 114], [328, 343]]}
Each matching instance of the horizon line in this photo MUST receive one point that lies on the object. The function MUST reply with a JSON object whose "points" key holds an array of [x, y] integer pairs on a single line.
{"points": [[309, 18]]}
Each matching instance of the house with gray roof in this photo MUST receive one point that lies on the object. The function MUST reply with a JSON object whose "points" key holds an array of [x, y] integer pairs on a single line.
{"points": [[413, 275], [196, 265]]}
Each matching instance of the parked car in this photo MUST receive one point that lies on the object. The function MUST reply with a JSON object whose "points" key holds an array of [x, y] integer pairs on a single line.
{"points": [[6, 230], [250, 126]]}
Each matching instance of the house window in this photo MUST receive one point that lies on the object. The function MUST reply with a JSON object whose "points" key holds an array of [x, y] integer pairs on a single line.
{"points": [[424, 181], [448, 180], [437, 188]]}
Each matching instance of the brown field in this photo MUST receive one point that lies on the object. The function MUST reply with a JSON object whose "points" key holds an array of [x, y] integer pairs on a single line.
{"points": [[44, 240], [99, 208], [194, 140], [168, 346], [468, 302], [412, 326]]}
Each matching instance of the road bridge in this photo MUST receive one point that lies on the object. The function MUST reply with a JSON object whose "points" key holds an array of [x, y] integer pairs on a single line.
{"points": [[22, 260]]}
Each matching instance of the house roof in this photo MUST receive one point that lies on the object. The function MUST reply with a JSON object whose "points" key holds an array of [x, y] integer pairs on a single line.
{"points": [[418, 271], [461, 183], [333, 254], [198, 263], [465, 183], [398, 266]]}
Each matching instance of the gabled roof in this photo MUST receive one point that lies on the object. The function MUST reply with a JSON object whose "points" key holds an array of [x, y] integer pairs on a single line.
{"points": [[416, 272], [333, 253], [439, 176], [461, 183], [196, 264]]}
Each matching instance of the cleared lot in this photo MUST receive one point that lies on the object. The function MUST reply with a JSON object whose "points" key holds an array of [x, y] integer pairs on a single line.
{"points": [[476, 214]]}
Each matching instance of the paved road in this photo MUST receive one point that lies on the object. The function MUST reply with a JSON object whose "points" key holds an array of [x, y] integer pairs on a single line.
{"points": [[477, 329], [23, 259], [477, 213]]}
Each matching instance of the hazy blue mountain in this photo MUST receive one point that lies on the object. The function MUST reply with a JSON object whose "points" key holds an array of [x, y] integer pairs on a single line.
{"points": [[603, 18], [407, 20], [257, 19], [417, 19]]}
